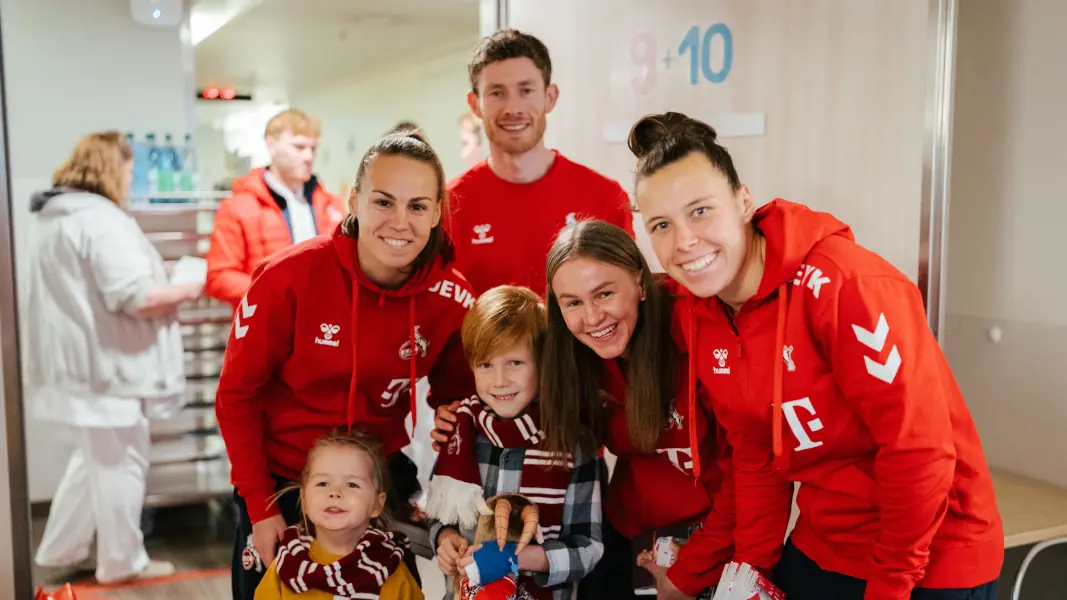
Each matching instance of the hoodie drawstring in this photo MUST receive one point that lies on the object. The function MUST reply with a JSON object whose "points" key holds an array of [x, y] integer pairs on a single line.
{"points": [[779, 366], [694, 445], [353, 390], [414, 354]]}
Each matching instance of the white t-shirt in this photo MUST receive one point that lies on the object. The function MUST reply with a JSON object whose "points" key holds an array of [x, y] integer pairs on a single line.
{"points": [[301, 218]]}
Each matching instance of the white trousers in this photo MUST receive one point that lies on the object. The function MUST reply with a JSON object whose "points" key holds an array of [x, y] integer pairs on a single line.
{"points": [[102, 492]]}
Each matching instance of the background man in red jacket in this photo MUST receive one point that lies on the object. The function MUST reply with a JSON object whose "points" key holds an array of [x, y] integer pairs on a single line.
{"points": [[271, 209]]}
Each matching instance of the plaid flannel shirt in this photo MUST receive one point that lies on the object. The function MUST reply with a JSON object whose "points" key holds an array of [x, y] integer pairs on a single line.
{"points": [[579, 546]]}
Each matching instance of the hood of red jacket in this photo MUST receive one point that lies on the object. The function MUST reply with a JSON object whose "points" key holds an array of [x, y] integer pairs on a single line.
{"points": [[345, 243], [254, 185], [790, 231]]}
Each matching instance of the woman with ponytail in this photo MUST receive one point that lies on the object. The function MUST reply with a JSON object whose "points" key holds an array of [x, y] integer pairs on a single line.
{"points": [[335, 332]]}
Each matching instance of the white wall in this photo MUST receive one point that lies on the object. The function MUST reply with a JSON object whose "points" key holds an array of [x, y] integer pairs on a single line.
{"points": [[430, 89], [229, 135], [841, 84], [70, 68], [1007, 239]]}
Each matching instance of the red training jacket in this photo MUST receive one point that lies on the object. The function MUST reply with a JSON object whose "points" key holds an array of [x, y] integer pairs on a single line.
{"points": [[503, 230], [249, 227], [832, 366], [653, 491], [316, 345]]}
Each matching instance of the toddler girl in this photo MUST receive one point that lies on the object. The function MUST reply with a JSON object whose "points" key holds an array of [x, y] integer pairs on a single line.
{"points": [[342, 550]]}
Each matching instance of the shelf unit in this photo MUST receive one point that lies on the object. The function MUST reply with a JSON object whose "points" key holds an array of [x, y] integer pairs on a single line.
{"points": [[188, 460]]}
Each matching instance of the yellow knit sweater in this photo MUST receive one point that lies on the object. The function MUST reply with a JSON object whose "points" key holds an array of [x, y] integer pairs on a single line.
{"points": [[400, 586]]}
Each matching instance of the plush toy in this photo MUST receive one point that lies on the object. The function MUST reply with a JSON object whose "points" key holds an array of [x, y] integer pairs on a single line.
{"points": [[494, 574]]}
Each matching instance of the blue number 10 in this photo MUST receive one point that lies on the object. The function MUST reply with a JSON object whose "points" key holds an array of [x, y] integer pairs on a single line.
{"points": [[690, 42]]}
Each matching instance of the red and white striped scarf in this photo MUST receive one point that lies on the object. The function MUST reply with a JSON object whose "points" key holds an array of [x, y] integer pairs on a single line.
{"points": [[361, 574], [544, 479]]}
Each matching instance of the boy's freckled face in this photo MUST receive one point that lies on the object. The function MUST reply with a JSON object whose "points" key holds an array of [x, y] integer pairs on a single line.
{"points": [[507, 382]]}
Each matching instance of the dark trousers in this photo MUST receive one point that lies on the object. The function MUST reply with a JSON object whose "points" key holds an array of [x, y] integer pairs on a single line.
{"points": [[243, 581], [613, 575], [403, 485], [801, 579]]}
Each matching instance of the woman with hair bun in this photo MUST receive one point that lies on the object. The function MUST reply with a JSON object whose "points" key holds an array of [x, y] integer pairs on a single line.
{"points": [[821, 367]]}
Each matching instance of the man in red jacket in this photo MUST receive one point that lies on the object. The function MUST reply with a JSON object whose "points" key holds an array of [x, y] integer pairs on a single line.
{"points": [[271, 208], [507, 210]]}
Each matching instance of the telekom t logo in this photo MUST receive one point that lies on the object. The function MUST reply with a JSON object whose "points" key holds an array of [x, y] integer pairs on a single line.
{"points": [[681, 458], [798, 429]]}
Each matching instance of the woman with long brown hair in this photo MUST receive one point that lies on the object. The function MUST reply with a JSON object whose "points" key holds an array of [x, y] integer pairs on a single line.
{"points": [[611, 372], [105, 353]]}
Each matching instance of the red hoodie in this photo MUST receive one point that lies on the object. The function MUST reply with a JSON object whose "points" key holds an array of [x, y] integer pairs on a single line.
{"points": [[831, 366], [503, 230], [316, 345], [653, 491], [250, 226]]}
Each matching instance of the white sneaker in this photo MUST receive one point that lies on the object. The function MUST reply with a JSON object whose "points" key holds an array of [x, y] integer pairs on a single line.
{"points": [[156, 568]]}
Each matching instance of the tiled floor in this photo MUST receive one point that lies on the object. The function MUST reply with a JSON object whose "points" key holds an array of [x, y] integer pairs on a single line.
{"points": [[199, 548]]}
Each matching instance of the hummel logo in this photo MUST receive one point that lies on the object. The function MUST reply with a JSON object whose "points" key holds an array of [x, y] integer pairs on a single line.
{"points": [[246, 310], [328, 331], [482, 231], [721, 354], [875, 340]]}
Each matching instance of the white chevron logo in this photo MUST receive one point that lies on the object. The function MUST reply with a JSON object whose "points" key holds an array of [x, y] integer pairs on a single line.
{"points": [[875, 340], [246, 310]]}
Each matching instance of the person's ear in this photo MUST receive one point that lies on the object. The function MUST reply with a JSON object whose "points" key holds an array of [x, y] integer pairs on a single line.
{"points": [[379, 506], [748, 206], [437, 213], [472, 102], [353, 197], [551, 96]]}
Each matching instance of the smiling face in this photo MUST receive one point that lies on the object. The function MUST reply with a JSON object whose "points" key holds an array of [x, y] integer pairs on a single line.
{"points": [[397, 207], [699, 225], [513, 103], [507, 382], [600, 303], [340, 494]]}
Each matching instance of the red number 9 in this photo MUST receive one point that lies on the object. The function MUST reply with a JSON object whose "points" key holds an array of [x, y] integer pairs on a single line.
{"points": [[643, 54]]}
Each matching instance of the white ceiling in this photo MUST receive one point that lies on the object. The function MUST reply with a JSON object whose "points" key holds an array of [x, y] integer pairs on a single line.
{"points": [[294, 44]]}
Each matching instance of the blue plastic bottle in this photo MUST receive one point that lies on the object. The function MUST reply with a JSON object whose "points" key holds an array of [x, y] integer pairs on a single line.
{"points": [[188, 179], [153, 164], [168, 165], [139, 185]]}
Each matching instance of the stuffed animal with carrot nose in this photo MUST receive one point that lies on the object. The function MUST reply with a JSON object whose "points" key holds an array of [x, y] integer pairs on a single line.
{"points": [[494, 574]]}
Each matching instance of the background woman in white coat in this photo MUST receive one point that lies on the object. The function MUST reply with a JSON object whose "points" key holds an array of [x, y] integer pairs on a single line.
{"points": [[105, 352]]}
